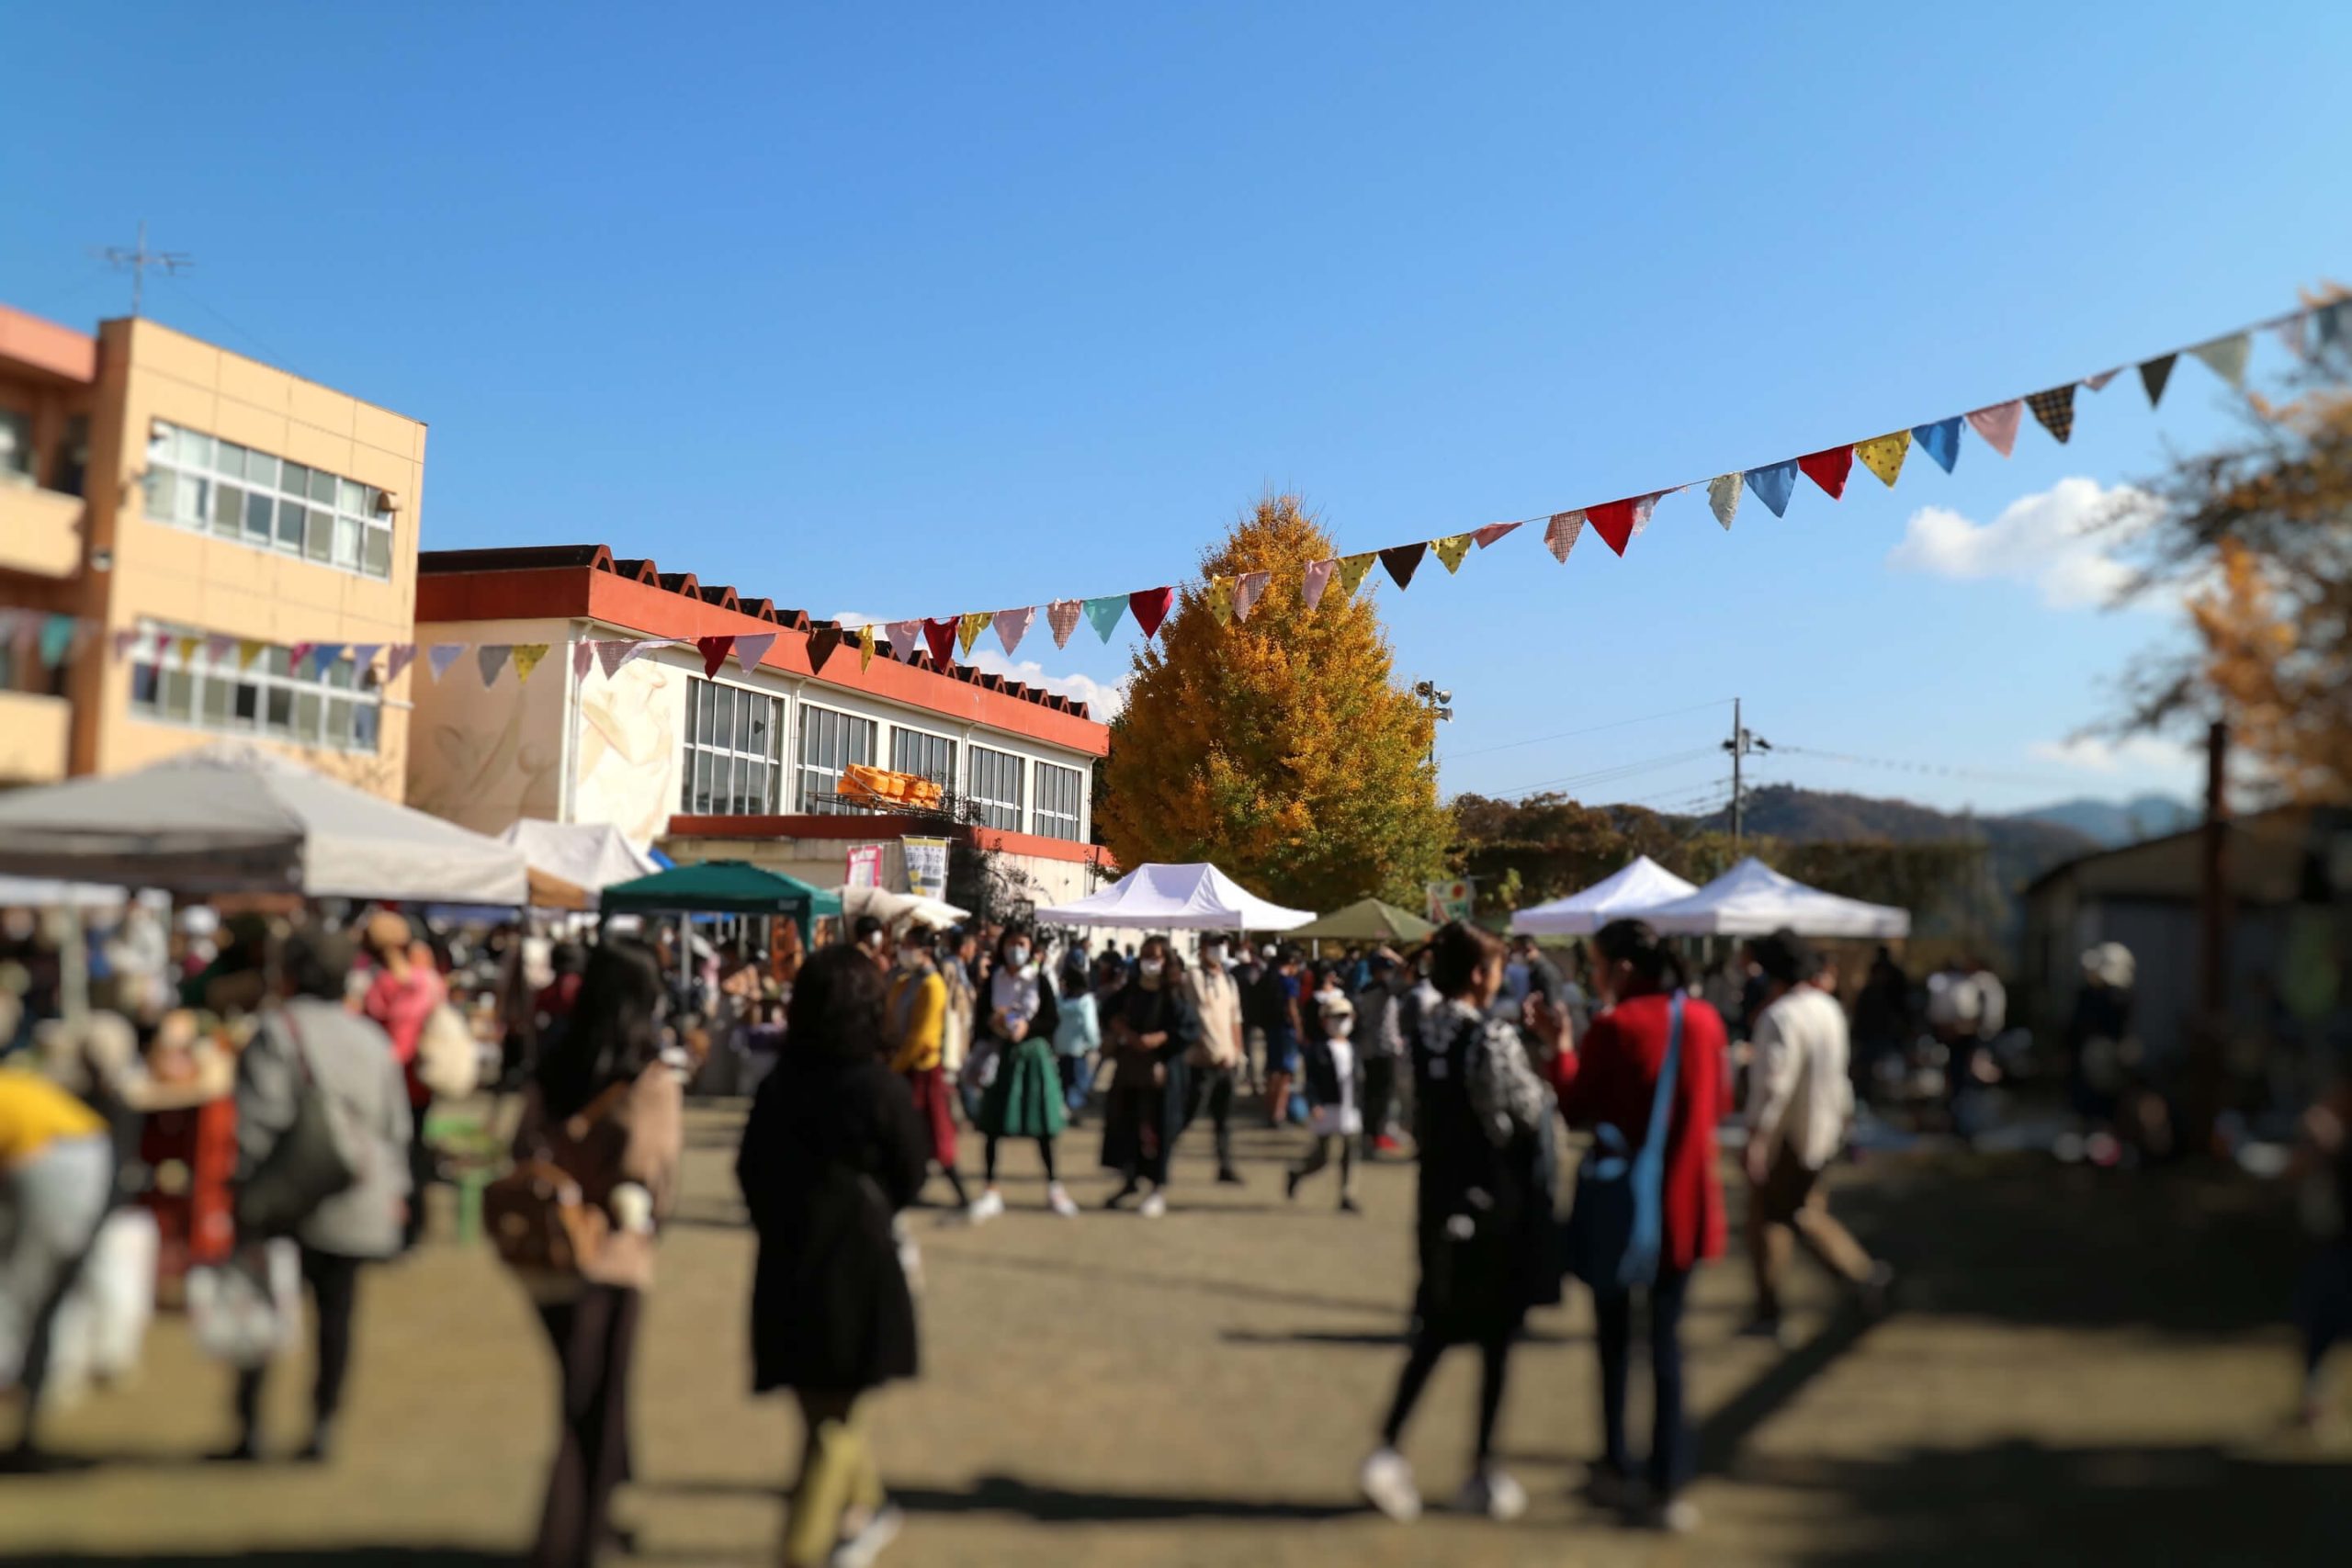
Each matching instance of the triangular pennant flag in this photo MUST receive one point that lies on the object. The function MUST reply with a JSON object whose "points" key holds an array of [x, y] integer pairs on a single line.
{"points": [[1491, 532], [1451, 550], [968, 627], [1246, 590], [2055, 411], [1220, 600], [1104, 613], [864, 647], [183, 648], [2226, 356], [402, 655], [939, 637], [823, 643], [440, 656], [363, 656], [2098, 383], [905, 640], [2331, 321], [322, 656], [1318, 578], [1061, 619], [2153, 374], [490, 658], [216, 650], [296, 657], [527, 658], [1828, 468], [1614, 520], [122, 641], [1644, 510], [1998, 425], [1723, 498], [643, 645], [1884, 457], [1012, 626], [1350, 576], [1403, 560], [250, 648], [1151, 606], [750, 650], [714, 651], [584, 658], [164, 648], [612, 654], [1939, 441], [1560, 534], [1774, 484], [57, 639], [2291, 335]]}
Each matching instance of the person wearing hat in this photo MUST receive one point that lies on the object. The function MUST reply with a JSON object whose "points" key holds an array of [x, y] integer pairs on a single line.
{"points": [[401, 998], [1800, 1101], [1327, 1064], [2098, 1035]]}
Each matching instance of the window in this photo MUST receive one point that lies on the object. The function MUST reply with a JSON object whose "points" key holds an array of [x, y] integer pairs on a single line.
{"points": [[339, 708], [733, 764], [228, 491], [1058, 801], [15, 446], [927, 756], [830, 741], [995, 788]]}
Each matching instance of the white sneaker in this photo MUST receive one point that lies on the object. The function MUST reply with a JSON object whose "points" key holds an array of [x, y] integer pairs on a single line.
{"points": [[1386, 1482], [985, 1207], [1679, 1516], [1153, 1207], [1493, 1493], [1060, 1203], [861, 1549]]}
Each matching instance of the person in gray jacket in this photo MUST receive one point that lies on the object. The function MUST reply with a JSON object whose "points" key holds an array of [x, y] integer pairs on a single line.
{"points": [[351, 1059]]}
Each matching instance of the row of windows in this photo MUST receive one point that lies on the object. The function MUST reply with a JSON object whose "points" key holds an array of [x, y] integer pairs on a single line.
{"points": [[232, 493], [339, 708], [733, 763], [20, 463]]}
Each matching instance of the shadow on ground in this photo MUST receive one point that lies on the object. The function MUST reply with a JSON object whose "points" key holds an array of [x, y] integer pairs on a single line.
{"points": [[286, 1557]]}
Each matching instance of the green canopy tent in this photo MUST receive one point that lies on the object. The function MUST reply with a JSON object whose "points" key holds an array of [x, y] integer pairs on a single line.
{"points": [[1367, 919], [720, 887]]}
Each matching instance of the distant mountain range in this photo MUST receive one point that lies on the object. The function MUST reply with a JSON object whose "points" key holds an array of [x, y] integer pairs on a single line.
{"points": [[2021, 847], [2113, 823]]}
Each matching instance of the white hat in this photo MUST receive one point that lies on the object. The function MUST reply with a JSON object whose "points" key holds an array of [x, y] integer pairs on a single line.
{"points": [[2110, 963]]}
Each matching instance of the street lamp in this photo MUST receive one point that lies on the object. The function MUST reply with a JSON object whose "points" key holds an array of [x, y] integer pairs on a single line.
{"points": [[1439, 704]]}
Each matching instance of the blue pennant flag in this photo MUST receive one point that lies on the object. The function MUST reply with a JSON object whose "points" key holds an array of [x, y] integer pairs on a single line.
{"points": [[323, 655], [1104, 613], [1939, 441], [1774, 485]]}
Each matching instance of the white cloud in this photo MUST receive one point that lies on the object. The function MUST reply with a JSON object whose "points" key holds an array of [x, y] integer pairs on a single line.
{"points": [[2067, 541], [1103, 700], [2134, 753]]}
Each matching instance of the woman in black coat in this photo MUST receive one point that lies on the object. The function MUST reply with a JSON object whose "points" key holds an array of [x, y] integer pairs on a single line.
{"points": [[1146, 1029], [832, 1151]]}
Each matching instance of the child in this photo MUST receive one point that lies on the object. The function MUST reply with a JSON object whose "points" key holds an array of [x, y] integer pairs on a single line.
{"points": [[1329, 1075]]}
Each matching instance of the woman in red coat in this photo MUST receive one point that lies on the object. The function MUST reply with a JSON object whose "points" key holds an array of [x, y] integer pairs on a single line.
{"points": [[1612, 1077]]}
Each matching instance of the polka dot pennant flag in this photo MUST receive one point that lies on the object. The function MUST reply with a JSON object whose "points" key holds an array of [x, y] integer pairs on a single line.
{"points": [[1884, 455], [1352, 571], [1451, 550]]}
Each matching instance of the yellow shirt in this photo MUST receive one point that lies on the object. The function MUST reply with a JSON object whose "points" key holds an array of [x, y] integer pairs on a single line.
{"points": [[35, 1113], [916, 1047]]}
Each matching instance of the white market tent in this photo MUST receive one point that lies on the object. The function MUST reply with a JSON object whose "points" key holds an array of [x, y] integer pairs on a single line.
{"points": [[591, 856], [39, 893], [1633, 889], [1176, 898], [1752, 899], [234, 819]]}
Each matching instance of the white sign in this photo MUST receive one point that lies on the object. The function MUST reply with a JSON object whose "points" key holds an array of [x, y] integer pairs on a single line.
{"points": [[926, 866]]}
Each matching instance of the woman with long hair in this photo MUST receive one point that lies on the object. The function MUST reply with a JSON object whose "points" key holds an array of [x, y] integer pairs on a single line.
{"points": [[832, 1151], [1484, 1231], [1150, 1027], [1612, 1077], [915, 1019], [1015, 1018], [605, 1107]]}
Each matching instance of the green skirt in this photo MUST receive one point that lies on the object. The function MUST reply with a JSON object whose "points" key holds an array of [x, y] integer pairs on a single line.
{"points": [[1025, 1100]]}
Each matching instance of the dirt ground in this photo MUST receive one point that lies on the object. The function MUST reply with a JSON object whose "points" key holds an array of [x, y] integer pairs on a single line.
{"points": [[2084, 1367]]}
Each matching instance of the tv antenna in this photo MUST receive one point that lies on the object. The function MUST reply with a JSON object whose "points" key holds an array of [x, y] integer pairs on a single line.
{"points": [[138, 260]]}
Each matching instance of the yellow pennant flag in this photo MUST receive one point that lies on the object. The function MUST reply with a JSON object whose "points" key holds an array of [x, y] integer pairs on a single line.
{"points": [[1221, 600], [1352, 571], [1884, 455], [527, 658], [186, 647], [1451, 550], [865, 647], [248, 649], [968, 629]]}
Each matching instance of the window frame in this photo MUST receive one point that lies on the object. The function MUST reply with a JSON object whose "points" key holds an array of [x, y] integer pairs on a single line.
{"points": [[1049, 823], [194, 470], [995, 809], [720, 760], [808, 770], [927, 739]]}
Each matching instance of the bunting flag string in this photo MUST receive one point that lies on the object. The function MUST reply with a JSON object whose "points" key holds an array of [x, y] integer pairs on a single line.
{"points": [[751, 650]]}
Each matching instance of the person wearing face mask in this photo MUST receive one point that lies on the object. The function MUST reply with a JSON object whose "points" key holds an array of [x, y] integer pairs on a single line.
{"points": [[1379, 1045], [1329, 1063], [914, 1021], [1216, 1058], [1151, 1028], [1019, 1013], [1079, 1036]]}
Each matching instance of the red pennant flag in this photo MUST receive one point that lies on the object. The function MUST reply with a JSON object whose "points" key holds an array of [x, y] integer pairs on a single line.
{"points": [[1828, 470], [1403, 560], [940, 637], [1150, 606], [823, 645], [1616, 521], [715, 650]]}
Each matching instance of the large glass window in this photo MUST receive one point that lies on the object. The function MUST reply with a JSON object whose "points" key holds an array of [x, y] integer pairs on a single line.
{"points": [[15, 446], [995, 788], [1058, 798], [339, 708], [927, 756], [733, 764], [220, 488], [830, 741]]}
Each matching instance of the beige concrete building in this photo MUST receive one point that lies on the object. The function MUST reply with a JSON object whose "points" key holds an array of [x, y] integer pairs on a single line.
{"points": [[227, 516]]}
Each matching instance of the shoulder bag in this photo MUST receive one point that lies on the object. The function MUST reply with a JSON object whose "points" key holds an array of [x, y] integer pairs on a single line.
{"points": [[538, 1214], [1615, 1231], [318, 1156]]}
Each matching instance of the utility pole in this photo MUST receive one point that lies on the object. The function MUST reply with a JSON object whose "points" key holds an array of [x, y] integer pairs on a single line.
{"points": [[138, 261], [1439, 704], [1743, 740]]}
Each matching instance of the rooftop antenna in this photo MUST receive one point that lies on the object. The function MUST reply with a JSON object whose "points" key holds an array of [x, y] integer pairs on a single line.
{"points": [[138, 261]]}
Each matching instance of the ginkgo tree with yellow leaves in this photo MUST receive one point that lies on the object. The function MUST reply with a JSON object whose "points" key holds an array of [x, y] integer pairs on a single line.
{"points": [[1278, 746]]}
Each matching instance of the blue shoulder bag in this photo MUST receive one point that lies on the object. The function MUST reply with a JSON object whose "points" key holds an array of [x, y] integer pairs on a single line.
{"points": [[1616, 1231]]}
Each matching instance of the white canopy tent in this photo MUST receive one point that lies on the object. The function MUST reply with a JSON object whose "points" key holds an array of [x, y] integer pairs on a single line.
{"points": [[897, 909], [1176, 898], [234, 819], [1752, 899], [1633, 889], [589, 855]]}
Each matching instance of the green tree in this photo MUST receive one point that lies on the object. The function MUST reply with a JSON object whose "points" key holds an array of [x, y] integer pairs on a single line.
{"points": [[1278, 747]]}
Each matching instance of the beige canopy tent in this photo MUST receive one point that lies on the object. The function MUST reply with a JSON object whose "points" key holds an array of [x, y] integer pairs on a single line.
{"points": [[1367, 919]]}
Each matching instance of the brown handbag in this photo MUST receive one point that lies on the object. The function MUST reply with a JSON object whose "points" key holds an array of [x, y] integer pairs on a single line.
{"points": [[538, 1214]]}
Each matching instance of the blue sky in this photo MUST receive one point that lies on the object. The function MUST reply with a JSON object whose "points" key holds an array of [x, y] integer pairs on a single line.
{"points": [[952, 307]]}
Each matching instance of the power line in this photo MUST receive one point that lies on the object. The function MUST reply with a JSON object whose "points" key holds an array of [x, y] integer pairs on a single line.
{"points": [[1590, 729], [1613, 774], [1943, 770]]}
